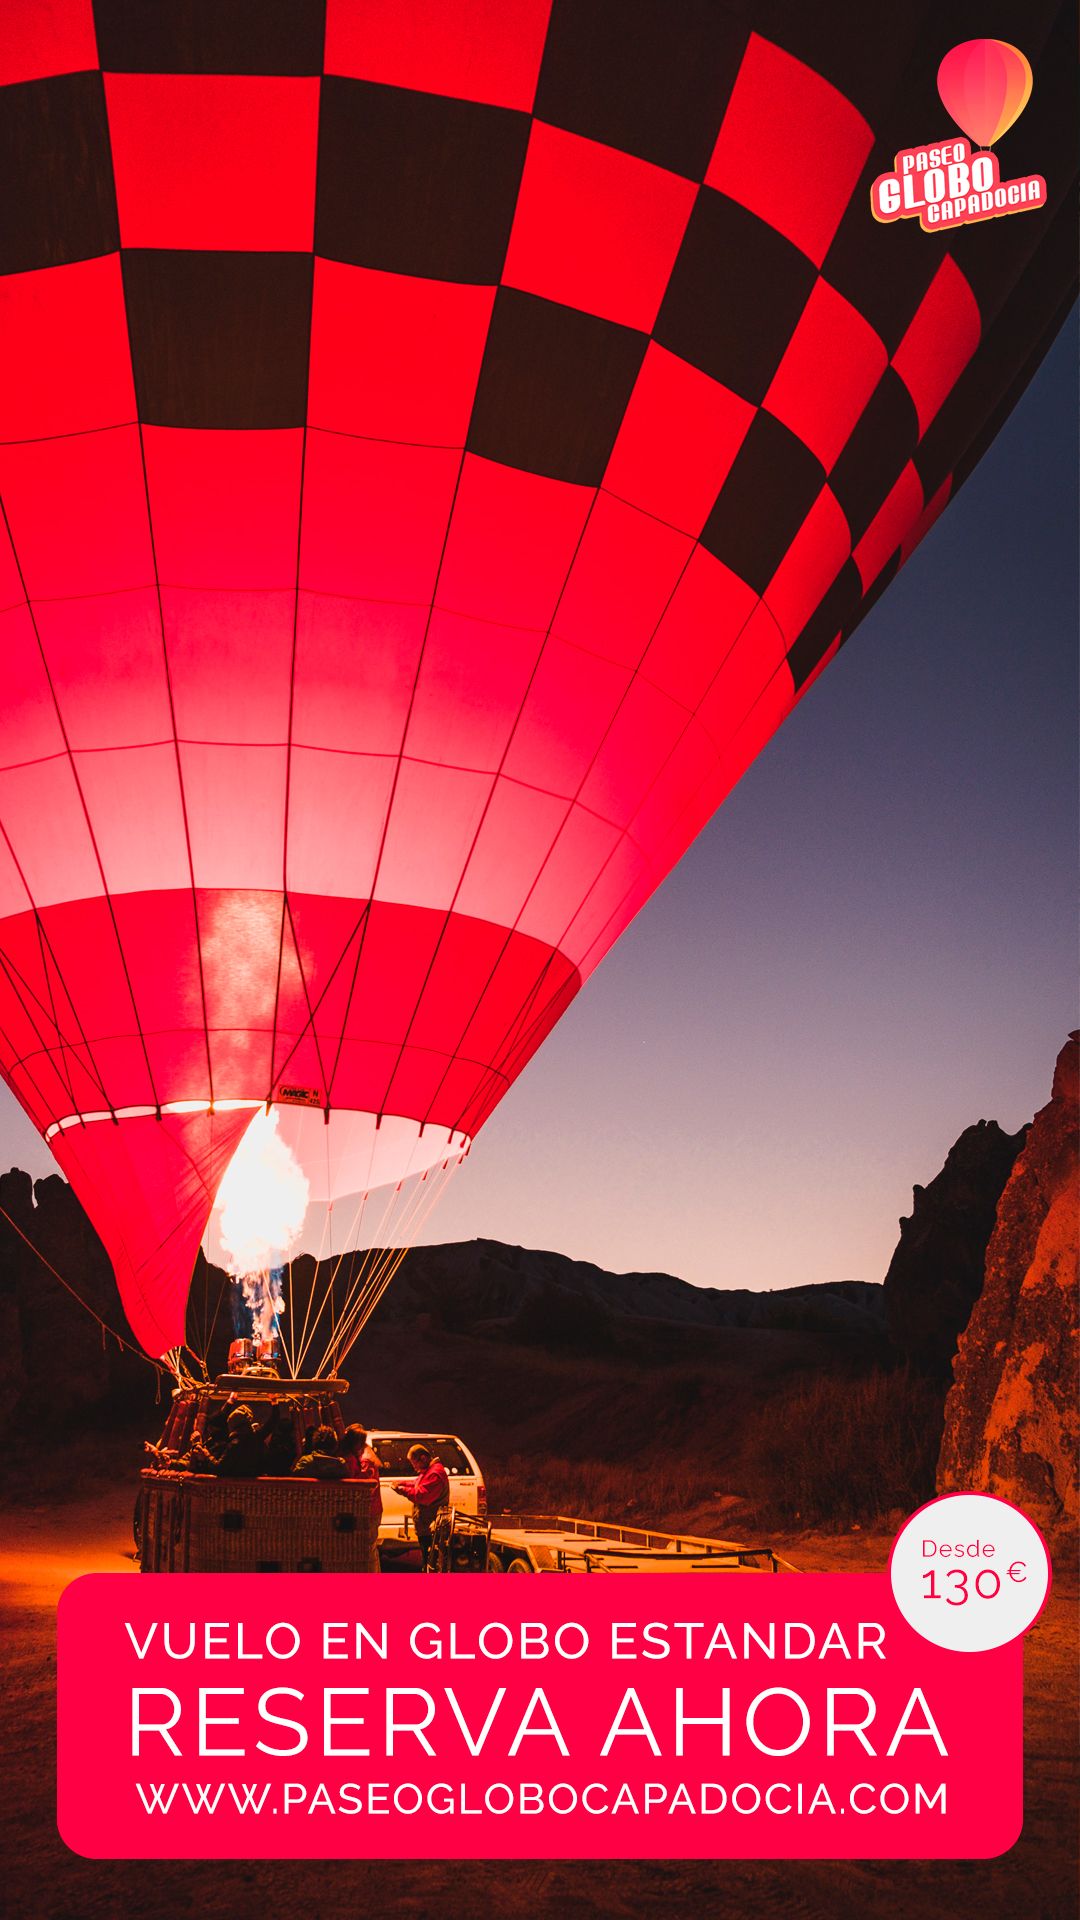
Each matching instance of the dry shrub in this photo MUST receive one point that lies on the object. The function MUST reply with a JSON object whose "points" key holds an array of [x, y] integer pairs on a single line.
{"points": [[831, 1453], [639, 1493], [840, 1452]]}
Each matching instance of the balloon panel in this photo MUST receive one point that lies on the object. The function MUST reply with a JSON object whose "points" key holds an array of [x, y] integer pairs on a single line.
{"points": [[132, 1178], [431, 475], [350, 1155]]}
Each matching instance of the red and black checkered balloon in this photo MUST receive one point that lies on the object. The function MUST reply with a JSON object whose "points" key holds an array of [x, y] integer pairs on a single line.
{"points": [[441, 441]]}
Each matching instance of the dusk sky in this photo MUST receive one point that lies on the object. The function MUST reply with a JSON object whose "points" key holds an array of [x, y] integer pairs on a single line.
{"points": [[870, 947]]}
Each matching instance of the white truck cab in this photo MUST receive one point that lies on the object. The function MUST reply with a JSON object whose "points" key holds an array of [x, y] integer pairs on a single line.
{"points": [[397, 1531]]}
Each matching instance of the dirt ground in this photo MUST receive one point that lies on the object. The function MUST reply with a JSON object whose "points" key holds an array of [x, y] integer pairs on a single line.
{"points": [[47, 1544]]}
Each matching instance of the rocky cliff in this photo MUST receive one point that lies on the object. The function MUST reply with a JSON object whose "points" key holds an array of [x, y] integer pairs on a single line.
{"points": [[54, 1362], [936, 1272], [1011, 1418]]}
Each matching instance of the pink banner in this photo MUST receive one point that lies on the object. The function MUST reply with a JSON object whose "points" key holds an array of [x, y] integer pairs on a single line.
{"points": [[228, 1716]]}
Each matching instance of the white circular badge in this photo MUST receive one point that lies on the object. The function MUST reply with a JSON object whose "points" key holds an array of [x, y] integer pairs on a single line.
{"points": [[969, 1572]]}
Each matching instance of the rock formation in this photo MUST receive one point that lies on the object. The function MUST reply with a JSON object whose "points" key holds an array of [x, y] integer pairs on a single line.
{"points": [[54, 1363], [1011, 1418], [936, 1272]]}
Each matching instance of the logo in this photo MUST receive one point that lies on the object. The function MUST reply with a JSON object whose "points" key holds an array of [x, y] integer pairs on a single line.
{"points": [[985, 85], [298, 1097]]}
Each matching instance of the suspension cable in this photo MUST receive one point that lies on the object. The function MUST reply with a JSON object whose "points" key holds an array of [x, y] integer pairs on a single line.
{"points": [[85, 1304], [335, 1268], [298, 1347], [366, 1298], [377, 1287], [375, 1252]]}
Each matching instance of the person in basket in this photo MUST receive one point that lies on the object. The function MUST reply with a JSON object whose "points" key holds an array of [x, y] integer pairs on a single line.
{"points": [[362, 1463], [324, 1461]]}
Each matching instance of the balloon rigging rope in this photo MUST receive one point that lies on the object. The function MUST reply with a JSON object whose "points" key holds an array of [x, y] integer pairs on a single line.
{"points": [[299, 1348], [354, 1239], [85, 1304], [61, 1045], [335, 1269], [201, 1356], [365, 1298], [9, 969], [359, 1279], [288, 1336], [364, 1310], [217, 1310], [337, 1266], [286, 1331], [359, 1286], [311, 1321]]}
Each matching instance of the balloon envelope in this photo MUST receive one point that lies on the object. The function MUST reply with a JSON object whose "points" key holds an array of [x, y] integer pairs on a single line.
{"points": [[439, 446], [985, 85]]}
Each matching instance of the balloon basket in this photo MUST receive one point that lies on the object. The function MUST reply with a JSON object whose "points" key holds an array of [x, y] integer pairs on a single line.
{"points": [[196, 1523], [188, 1521]]}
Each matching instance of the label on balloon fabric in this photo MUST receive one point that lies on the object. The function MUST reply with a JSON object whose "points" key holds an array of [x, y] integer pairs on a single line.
{"points": [[239, 1716]]}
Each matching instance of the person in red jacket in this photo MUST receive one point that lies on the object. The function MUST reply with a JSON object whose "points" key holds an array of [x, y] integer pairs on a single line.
{"points": [[428, 1492]]}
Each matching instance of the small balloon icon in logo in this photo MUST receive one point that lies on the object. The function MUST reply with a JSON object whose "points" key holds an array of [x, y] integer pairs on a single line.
{"points": [[985, 86]]}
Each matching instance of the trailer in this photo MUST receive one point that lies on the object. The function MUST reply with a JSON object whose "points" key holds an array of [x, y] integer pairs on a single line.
{"points": [[567, 1543]]}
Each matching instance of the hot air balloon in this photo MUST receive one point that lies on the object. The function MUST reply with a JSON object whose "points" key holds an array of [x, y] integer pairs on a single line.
{"points": [[441, 442], [985, 85]]}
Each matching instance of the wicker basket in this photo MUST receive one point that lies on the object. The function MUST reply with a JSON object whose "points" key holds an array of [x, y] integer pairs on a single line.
{"points": [[196, 1523]]}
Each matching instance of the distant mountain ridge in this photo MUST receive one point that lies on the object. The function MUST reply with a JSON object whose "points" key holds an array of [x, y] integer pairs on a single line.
{"points": [[486, 1282]]}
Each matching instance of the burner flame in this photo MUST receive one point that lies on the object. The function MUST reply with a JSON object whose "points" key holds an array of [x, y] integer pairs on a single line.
{"points": [[261, 1206]]}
